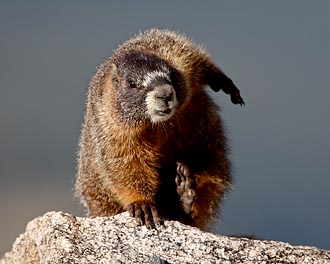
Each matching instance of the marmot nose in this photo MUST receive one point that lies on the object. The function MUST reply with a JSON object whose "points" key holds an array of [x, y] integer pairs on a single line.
{"points": [[167, 98], [165, 92]]}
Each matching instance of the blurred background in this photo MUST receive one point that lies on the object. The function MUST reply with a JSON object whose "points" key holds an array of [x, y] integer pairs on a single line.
{"points": [[277, 52]]}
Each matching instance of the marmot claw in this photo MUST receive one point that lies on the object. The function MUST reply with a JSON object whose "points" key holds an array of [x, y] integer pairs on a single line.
{"points": [[145, 213]]}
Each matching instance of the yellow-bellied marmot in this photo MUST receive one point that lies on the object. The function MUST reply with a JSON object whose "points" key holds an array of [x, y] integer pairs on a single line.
{"points": [[152, 142]]}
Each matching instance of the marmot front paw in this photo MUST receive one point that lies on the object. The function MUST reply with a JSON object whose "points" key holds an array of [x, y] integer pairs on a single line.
{"points": [[236, 98], [145, 213]]}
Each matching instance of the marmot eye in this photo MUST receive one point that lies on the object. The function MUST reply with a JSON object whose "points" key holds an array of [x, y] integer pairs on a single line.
{"points": [[131, 84]]}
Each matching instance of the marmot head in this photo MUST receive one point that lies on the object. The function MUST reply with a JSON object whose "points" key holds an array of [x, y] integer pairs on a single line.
{"points": [[145, 87]]}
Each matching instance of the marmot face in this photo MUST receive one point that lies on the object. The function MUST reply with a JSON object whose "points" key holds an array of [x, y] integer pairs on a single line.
{"points": [[147, 89]]}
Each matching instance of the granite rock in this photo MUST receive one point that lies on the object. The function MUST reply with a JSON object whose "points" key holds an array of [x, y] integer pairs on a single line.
{"points": [[59, 237]]}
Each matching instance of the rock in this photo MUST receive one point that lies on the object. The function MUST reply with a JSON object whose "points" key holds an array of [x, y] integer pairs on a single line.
{"points": [[58, 237]]}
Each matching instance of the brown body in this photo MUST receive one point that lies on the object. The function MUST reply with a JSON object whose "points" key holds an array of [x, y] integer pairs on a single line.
{"points": [[128, 159]]}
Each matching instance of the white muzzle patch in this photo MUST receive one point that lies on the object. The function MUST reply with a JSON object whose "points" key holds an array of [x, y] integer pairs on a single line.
{"points": [[161, 103]]}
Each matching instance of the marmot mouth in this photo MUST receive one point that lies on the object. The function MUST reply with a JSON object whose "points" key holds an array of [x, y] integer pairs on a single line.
{"points": [[163, 112], [161, 115]]}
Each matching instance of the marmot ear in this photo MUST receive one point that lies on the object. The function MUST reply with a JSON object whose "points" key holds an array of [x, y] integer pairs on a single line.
{"points": [[111, 79], [113, 74]]}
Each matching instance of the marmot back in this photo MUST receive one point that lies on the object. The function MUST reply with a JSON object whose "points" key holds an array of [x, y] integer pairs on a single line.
{"points": [[152, 142]]}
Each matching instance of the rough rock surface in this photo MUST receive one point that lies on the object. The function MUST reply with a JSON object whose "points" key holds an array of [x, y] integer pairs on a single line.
{"points": [[58, 237]]}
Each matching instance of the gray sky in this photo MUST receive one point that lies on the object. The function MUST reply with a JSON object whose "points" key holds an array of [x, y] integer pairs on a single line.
{"points": [[277, 52]]}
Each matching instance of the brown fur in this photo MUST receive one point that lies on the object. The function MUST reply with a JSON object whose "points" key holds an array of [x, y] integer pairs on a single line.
{"points": [[124, 161]]}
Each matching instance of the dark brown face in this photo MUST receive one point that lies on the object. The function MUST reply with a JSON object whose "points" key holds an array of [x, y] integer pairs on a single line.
{"points": [[147, 88]]}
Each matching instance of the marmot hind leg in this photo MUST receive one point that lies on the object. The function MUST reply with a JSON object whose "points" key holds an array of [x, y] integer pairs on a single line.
{"points": [[103, 207], [184, 186]]}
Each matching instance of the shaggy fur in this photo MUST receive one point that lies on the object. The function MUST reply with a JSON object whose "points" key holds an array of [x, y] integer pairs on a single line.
{"points": [[149, 126]]}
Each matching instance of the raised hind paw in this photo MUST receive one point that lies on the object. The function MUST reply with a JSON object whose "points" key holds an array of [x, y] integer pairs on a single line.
{"points": [[184, 187]]}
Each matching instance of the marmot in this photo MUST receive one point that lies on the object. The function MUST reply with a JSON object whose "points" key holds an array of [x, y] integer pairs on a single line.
{"points": [[152, 142]]}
